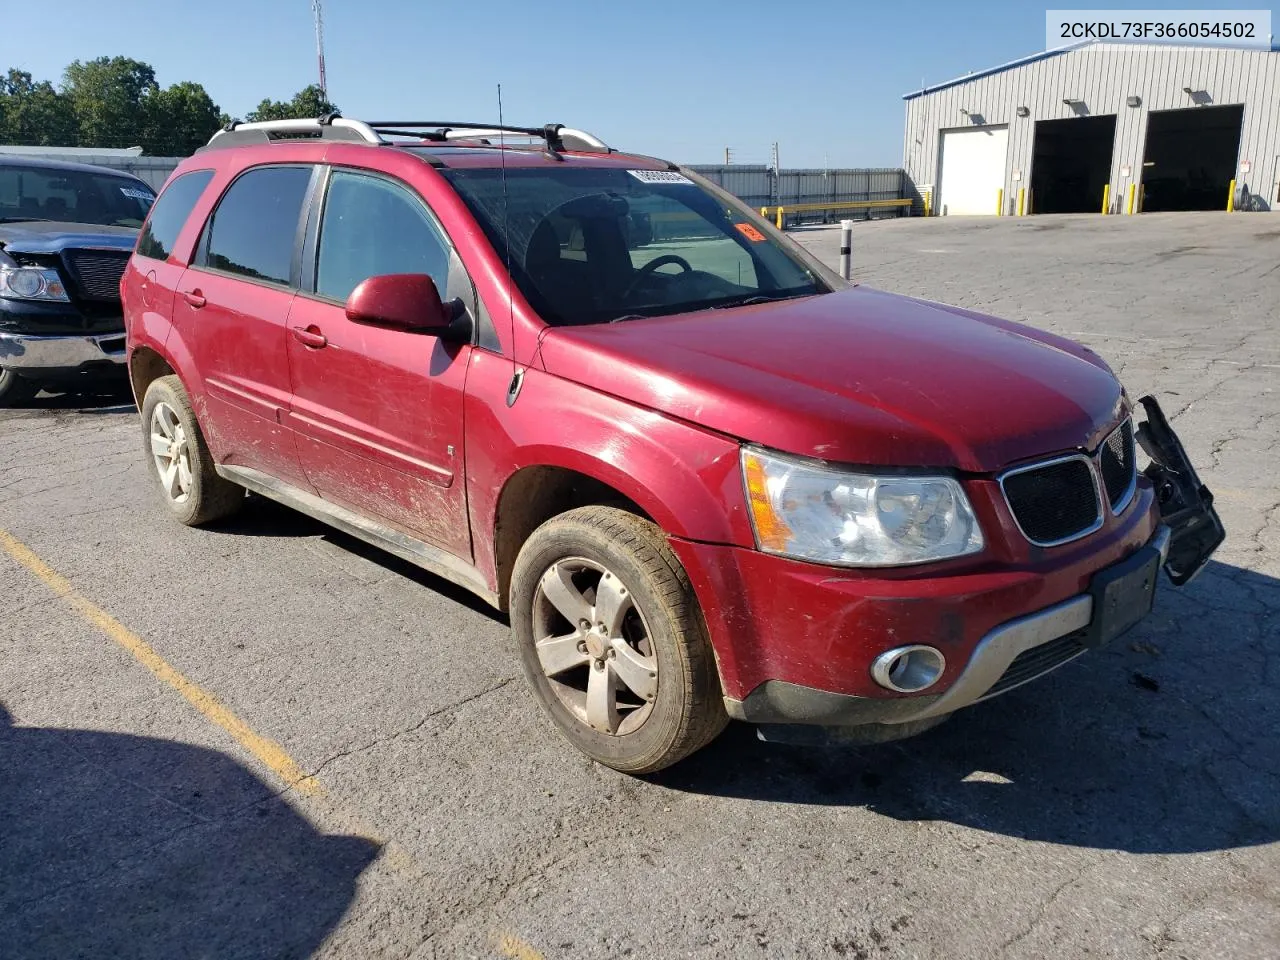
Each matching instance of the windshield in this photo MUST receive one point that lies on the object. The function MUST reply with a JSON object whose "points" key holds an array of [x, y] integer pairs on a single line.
{"points": [[593, 244], [72, 196]]}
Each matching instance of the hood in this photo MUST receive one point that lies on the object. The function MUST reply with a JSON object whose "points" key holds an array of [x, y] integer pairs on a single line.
{"points": [[859, 376], [41, 236]]}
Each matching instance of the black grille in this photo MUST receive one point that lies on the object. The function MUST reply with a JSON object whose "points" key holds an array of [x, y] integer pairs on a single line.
{"points": [[1055, 502], [97, 273], [1030, 664], [1117, 462]]}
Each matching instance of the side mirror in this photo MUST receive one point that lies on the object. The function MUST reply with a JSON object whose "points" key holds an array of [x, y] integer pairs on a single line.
{"points": [[400, 301]]}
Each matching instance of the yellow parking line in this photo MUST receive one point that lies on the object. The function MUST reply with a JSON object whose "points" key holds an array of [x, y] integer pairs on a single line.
{"points": [[512, 946], [267, 751]]}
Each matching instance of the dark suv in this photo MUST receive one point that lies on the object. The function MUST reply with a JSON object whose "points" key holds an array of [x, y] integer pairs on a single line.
{"points": [[706, 477], [66, 232]]}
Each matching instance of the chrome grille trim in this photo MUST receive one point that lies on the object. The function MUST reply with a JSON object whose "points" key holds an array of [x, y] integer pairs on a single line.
{"points": [[1099, 494]]}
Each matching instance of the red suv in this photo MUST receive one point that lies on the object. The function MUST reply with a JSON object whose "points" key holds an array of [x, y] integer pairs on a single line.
{"points": [[706, 477]]}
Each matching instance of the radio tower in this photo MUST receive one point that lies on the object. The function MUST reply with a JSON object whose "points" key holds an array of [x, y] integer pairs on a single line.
{"points": [[318, 11]]}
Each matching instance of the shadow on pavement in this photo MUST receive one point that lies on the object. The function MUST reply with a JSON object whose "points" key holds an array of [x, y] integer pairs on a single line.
{"points": [[121, 846], [107, 396], [1166, 742], [264, 517]]}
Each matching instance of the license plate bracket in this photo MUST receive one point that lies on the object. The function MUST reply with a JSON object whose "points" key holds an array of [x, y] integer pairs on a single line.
{"points": [[1123, 594]]}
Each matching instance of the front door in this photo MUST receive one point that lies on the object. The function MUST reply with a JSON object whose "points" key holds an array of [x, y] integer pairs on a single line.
{"points": [[235, 301], [377, 412]]}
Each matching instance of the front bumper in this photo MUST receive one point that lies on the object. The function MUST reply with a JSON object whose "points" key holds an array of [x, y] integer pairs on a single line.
{"points": [[32, 353], [795, 642], [1012, 654]]}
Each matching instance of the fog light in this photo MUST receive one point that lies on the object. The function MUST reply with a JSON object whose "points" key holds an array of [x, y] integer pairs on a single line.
{"points": [[908, 669]]}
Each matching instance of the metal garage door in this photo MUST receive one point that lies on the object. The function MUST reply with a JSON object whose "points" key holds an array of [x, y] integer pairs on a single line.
{"points": [[973, 162]]}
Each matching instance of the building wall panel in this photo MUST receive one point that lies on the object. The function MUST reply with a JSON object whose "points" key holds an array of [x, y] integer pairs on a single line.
{"points": [[1103, 76]]}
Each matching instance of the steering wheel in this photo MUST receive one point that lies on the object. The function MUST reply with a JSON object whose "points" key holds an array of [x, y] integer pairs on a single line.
{"points": [[644, 272]]}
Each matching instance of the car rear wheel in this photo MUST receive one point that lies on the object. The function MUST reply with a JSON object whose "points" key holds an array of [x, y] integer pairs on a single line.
{"points": [[15, 389], [612, 641], [189, 485]]}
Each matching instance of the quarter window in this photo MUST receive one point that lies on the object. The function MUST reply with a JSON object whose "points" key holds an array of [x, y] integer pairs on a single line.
{"points": [[255, 227], [372, 227], [170, 213]]}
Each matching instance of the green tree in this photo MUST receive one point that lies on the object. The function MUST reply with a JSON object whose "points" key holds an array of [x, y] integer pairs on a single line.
{"points": [[178, 120], [34, 113], [107, 96], [107, 102], [306, 103]]}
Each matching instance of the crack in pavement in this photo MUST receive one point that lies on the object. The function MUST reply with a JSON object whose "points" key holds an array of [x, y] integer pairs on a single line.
{"points": [[379, 741]]}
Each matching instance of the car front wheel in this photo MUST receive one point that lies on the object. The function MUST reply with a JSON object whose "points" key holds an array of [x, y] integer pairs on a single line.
{"points": [[612, 641]]}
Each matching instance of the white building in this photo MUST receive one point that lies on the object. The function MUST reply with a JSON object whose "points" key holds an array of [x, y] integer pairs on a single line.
{"points": [[1158, 127]]}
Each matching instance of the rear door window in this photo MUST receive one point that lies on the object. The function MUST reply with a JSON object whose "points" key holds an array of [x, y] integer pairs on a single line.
{"points": [[254, 229], [170, 213]]}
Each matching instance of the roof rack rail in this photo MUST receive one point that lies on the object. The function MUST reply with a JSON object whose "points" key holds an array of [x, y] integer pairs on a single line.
{"points": [[556, 135], [334, 126]]}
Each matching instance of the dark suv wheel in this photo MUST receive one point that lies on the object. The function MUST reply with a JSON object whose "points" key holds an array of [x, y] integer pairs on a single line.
{"points": [[15, 389], [612, 641]]}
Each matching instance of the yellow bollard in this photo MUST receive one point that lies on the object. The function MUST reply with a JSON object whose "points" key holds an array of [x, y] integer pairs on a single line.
{"points": [[1231, 197], [779, 223], [928, 203], [764, 213], [1022, 201], [1133, 189], [1000, 202], [1106, 198]]}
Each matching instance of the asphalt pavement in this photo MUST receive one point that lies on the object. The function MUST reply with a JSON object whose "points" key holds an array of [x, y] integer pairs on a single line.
{"points": [[265, 739]]}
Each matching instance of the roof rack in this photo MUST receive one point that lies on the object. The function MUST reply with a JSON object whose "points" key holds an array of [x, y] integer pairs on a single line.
{"points": [[556, 135], [334, 126]]}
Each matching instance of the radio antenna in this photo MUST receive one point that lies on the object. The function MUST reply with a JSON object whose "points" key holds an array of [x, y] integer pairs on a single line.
{"points": [[517, 373]]}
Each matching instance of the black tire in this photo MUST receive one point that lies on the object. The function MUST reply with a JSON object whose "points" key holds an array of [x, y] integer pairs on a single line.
{"points": [[209, 497], [16, 390], [687, 711]]}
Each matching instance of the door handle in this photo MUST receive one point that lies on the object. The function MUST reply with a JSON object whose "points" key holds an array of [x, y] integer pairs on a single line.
{"points": [[310, 337], [195, 298]]}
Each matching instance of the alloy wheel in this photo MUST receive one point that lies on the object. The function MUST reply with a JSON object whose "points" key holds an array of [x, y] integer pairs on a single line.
{"points": [[170, 447], [594, 646]]}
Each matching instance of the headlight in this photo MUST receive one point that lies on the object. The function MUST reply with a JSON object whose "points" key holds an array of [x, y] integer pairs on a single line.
{"points": [[31, 283], [816, 513]]}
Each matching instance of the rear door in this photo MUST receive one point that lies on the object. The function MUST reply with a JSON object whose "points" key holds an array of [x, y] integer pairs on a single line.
{"points": [[378, 413], [236, 298], [151, 277]]}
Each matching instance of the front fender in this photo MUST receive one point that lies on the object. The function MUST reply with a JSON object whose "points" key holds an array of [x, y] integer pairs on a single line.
{"points": [[687, 479]]}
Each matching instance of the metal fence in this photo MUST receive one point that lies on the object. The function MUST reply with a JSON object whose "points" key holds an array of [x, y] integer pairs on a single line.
{"points": [[758, 186], [755, 185]]}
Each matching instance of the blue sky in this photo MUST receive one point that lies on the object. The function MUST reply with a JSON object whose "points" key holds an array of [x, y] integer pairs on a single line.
{"points": [[678, 78]]}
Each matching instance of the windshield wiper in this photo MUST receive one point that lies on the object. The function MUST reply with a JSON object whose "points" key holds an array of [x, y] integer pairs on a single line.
{"points": [[754, 298], [25, 220], [628, 316]]}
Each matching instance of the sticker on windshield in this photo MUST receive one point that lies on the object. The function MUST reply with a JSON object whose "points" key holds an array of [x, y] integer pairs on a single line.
{"points": [[659, 176], [137, 194], [750, 232]]}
